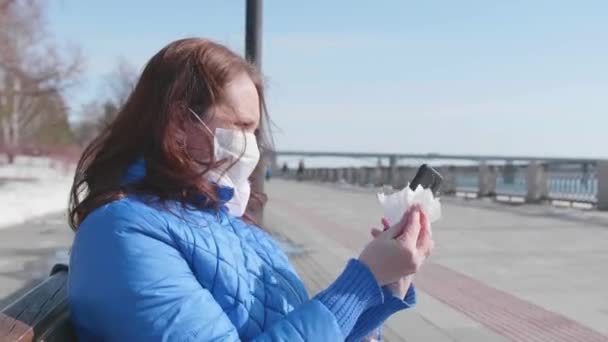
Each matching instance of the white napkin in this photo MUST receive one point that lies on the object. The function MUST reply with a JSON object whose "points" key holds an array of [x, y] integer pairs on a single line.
{"points": [[396, 204]]}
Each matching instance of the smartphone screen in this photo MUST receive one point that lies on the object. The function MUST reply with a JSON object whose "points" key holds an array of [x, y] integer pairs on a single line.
{"points": [[428, 178]]}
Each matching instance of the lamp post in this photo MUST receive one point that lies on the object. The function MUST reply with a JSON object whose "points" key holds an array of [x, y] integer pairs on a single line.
{"points": [[253, 53]]}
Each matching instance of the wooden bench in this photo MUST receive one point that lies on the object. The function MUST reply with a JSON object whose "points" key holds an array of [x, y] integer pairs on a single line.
{"points": [[41, 314]]}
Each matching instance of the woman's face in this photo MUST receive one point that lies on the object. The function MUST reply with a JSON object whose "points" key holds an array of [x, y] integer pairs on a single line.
{"points": [[240, 111]]}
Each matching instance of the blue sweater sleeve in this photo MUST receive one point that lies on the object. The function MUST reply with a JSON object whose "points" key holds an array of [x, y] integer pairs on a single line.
{"points": [[339, 306], [330, 316], [355, 291], [372, 318]]}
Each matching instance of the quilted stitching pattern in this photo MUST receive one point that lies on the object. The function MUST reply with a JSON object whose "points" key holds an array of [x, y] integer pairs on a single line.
{"points": [[243, 268]]}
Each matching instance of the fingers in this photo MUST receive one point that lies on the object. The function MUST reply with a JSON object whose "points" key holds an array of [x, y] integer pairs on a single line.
{"points": [[429, 249], [386, 226], [423, 236], [425, 242], [376, 232], [397, 229], [424, 221], [385, 223], [412, 227], [425, 229]]}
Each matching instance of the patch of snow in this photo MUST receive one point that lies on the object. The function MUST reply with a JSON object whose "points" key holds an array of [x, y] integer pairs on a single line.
{"points": [[33, 187]]}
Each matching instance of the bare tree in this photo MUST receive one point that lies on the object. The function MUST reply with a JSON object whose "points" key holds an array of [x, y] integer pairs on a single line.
{"points": [[121, 82], [32, 66], [95, 116], [53, 127], [87, 127]]}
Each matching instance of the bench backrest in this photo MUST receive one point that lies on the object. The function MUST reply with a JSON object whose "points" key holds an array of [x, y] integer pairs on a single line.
{"points": [[41, 314]]}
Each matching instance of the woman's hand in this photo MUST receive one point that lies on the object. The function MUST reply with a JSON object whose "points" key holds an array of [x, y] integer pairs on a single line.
{"points": [[400, 250], [399, 288]]}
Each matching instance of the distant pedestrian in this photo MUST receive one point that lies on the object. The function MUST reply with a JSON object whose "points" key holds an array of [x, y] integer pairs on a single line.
{"points": [[300, 172], [268, 172]]}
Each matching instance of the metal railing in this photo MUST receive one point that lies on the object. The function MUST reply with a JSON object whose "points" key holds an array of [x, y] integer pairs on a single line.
{"points": [[533, 179], [573, 183]]}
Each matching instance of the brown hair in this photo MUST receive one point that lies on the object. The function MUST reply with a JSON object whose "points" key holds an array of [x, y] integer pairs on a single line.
{"points": [[187, 73]]}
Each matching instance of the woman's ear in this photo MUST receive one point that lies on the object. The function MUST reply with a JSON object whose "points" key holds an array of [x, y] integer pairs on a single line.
{"points": [[198, 143]]}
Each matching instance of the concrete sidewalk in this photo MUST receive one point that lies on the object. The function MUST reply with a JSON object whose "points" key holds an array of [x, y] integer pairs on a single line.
{"points": [[28, 251], [499, 273]]}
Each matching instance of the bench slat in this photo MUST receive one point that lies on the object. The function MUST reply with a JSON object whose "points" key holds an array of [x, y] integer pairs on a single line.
{"points": [[40, 315]]}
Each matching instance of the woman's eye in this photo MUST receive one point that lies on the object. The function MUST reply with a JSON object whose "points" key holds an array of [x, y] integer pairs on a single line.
{"points": [[245, 126]]}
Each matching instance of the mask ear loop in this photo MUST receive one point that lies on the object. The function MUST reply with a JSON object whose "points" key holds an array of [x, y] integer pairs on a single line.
{"points": [[213, 135], [201, 121]]}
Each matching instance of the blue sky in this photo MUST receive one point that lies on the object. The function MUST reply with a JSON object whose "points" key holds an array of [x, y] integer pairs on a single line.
{"points": [[480, 77]]}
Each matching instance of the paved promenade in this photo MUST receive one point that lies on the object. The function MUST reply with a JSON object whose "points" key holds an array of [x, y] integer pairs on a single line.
{"points": [[499, 272], [28, 251]]}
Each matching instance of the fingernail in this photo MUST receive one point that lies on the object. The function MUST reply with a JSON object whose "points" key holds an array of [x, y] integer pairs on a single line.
{"points": [[385, 224], [416, 214]]}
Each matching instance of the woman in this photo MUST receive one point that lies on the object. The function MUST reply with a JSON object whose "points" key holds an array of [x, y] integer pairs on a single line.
{"points": [[164, 249]]}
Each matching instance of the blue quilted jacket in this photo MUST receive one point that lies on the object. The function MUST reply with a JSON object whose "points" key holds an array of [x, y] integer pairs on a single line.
{"points": [[145, 271]]}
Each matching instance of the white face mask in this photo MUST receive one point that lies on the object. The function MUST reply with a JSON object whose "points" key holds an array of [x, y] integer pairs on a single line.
{"points": [[239, 149]]}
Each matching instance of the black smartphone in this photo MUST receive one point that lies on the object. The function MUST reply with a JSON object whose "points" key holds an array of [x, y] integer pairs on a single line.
{"points": [[428, 178]]}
